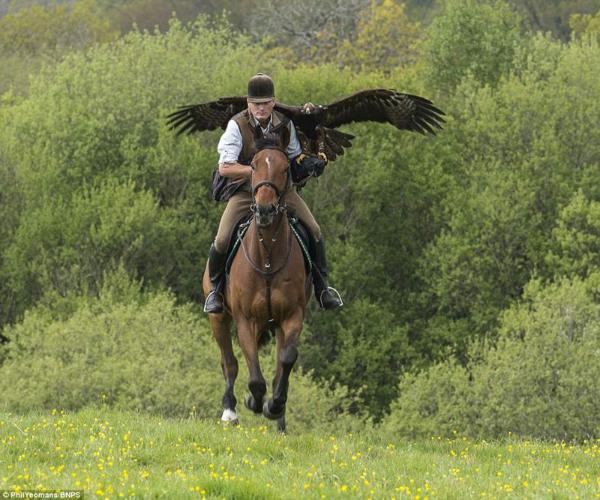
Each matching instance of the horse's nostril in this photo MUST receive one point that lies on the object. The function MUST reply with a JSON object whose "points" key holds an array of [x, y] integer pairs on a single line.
{"points": [[266, 210]]}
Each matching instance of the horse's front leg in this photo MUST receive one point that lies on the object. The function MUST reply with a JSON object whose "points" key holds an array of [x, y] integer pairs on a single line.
{"points": [[221, 328], [287, 354], [248, 340]]}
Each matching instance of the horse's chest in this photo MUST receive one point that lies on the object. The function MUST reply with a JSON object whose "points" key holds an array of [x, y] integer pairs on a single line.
{"points": [[256, 294]]}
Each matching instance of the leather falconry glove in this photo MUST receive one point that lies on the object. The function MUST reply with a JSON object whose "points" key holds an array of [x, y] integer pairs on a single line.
{"points": [[308, 166]]}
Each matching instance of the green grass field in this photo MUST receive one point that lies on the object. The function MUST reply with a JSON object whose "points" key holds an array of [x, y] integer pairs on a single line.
{"points": [[110, 454]]}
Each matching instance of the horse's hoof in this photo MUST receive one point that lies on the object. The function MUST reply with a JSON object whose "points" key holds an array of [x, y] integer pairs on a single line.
{"points": [[270, 414], [281, 425], [250, 403], [230, 417]]}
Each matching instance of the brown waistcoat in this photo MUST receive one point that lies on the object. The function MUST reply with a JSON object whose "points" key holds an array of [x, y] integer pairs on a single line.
{"points": [[224, 188], [247, 125]]}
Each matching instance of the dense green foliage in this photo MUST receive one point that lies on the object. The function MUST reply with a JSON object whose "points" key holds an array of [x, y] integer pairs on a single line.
{"points": [[435, 243], [541, 378], [471, 38], [136, 351]]}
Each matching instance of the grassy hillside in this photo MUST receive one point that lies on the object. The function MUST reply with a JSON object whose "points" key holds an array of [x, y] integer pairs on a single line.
{"points": [[123, 454]]}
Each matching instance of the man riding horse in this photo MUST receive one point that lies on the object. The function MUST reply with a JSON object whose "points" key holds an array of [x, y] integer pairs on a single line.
{"points": [[310, 138], [236, 150], [268, 286]]}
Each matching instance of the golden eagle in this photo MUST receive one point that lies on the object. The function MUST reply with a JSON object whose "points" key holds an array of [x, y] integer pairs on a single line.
{"points": [[316, 127]]}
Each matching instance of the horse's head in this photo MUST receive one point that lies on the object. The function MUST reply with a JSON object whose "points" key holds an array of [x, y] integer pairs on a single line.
{"points": [[270, 177]]}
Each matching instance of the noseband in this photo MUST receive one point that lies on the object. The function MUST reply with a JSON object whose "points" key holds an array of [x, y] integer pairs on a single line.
{"points": [[272, 186]]}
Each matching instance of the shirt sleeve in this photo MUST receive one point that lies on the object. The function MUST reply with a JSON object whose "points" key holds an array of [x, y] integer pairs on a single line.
{"points": [[230, 144], [293, 148]]}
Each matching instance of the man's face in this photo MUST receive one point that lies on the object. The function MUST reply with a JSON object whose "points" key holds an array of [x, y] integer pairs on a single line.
{"points": [[261, 110]]}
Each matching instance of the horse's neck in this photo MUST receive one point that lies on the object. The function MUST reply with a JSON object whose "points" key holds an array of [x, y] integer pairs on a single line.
{"points": [[273, 248]]}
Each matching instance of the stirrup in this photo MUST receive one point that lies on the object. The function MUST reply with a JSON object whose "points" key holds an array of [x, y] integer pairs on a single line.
{"points": [[211, 293], [333, 292]]}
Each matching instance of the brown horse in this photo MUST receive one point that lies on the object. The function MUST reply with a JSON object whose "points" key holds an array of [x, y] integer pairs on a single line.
{"points": [[267, 289]]}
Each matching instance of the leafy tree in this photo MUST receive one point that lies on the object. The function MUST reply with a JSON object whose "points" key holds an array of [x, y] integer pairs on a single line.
{"points": [[585, 23], [36, 35], [312, 29], [471, 37], [38, 29], [10, 206], [69, 246], [480, 263], [364, 349], [97, 122], [576, 239], [423, 10], [385, 38], [553, 15], [519, 153], [150, 14]]}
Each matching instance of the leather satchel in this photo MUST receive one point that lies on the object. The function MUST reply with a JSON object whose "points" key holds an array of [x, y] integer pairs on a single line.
{"points": [[224, 188]]}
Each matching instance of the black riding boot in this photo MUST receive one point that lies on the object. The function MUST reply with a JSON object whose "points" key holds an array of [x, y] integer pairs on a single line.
{"points": [[328, 297], [216, 273]]}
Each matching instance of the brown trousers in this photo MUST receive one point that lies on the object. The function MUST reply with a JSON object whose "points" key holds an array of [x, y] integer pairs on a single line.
{"points": [[239, 205]]}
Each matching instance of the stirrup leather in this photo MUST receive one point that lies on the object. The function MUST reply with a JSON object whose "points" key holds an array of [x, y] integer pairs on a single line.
{"points": [[334, 292]]}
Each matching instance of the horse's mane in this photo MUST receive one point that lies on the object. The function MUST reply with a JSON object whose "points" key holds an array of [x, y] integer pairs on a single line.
{"points": [[268, 142]]}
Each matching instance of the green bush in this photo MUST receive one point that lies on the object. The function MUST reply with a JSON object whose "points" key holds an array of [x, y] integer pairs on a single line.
{"points": [[66, 246], [541, 380], [134, 351], [370, 352]]}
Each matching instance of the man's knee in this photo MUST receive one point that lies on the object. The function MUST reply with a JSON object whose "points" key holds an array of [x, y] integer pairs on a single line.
{"points": [[316, 231], [221, 243], [313, 227]]}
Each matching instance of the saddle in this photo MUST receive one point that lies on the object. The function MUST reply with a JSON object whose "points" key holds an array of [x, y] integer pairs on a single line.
{"points": [[300, 231]]}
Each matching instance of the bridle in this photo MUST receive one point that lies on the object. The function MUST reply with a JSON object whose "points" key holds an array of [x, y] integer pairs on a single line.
{"points": [[279, 207], [280, 193]]}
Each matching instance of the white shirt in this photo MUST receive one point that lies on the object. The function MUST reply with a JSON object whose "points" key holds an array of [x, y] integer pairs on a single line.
{"points": [[230, 144]]}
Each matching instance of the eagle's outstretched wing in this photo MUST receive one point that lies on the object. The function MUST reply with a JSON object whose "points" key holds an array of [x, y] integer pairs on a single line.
{"points": [[206, 116], [316, 128], [404, 111]]}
